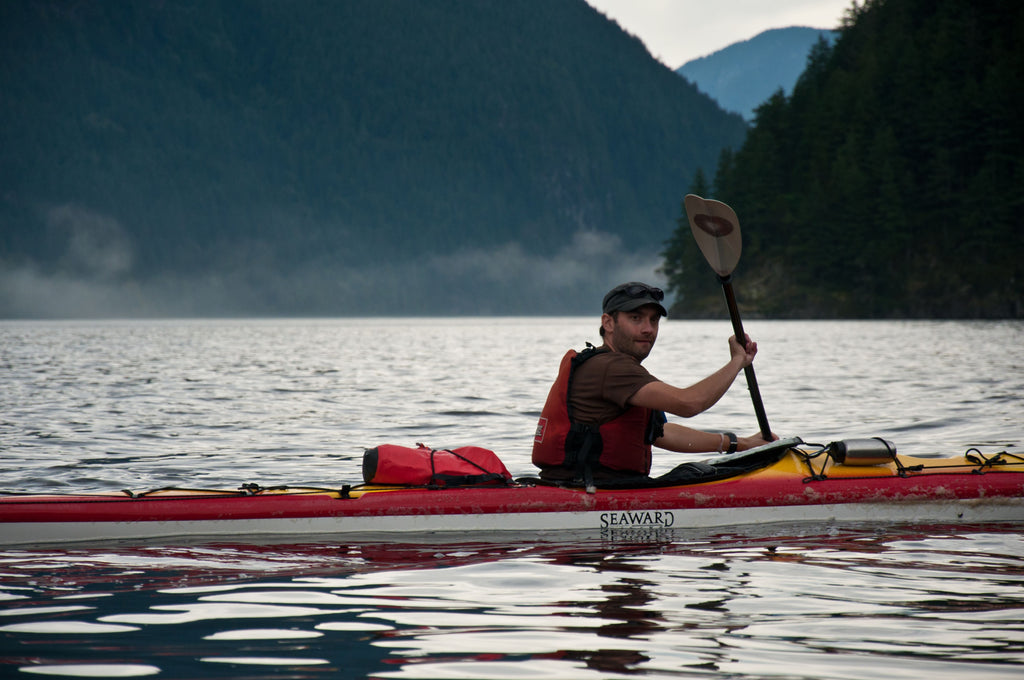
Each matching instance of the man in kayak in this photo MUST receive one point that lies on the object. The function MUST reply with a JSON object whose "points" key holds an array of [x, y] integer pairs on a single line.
{"points": [[605, 410]]}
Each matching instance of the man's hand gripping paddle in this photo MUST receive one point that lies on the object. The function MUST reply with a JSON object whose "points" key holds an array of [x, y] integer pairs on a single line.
{"points": [[717, 232]]}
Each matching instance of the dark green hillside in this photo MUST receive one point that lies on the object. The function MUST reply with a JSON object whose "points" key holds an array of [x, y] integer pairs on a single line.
{"points": [[258, 156], [891, 182]]}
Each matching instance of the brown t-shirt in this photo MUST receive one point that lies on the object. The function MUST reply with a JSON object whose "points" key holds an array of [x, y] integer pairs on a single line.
{"points": [[603, 384]]}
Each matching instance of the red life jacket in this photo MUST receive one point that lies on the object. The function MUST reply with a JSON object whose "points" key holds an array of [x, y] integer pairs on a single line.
{"points": [[622, 444]]}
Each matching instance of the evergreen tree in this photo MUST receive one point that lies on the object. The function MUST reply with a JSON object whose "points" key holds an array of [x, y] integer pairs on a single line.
{"points": [[888, 183]]}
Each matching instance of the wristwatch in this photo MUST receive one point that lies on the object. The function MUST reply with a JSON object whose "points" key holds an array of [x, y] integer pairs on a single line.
{"points": [[732, 442]]}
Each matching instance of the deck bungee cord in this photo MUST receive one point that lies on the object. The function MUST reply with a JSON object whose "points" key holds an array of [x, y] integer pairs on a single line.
{"points": [[974, 461]]}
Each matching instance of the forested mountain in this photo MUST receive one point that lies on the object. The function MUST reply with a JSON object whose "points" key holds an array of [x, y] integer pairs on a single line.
{"points": [[890, 183], [335, 156]]}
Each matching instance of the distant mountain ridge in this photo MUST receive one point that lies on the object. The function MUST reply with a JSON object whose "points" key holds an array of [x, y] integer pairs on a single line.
{"points": [[744, 75], [254, 157]]}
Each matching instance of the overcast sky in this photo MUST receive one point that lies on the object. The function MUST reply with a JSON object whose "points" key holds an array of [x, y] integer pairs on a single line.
{"points": [[676, 31]]}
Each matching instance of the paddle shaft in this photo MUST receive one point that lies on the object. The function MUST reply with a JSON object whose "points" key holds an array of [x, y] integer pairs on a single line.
{"points": [[741, 337]]}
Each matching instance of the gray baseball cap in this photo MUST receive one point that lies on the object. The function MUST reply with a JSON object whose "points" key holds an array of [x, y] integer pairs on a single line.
{"points": [[629, 296]]}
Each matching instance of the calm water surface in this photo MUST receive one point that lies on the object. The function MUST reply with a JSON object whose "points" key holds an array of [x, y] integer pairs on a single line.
{"points": [[113, 405]]}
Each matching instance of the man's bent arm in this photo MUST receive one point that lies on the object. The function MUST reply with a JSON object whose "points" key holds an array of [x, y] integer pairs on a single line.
{"points": [[687, 440], [687, 402]]}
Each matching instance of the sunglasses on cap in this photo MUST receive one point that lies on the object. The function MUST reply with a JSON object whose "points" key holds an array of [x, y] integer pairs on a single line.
{"points": [[638, 290]]}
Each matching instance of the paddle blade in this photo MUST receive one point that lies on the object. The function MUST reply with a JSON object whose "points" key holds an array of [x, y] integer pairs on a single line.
{"points": [[717, 232]]}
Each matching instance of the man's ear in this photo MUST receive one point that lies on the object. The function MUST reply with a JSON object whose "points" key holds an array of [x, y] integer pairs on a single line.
{"points": [[607, 323]]}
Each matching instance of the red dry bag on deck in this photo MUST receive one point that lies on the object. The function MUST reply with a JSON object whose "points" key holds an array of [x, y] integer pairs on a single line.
{"points": [[424, 466]]}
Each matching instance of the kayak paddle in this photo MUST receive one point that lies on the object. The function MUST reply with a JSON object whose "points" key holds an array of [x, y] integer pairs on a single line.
{"points": [[717, 232]]}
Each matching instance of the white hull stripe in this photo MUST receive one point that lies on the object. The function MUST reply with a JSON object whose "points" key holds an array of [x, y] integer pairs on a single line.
{"points": [[954, 511]]}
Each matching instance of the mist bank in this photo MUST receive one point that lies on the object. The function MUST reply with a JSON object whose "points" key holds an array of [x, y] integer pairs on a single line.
{"points": [[96, 277]]}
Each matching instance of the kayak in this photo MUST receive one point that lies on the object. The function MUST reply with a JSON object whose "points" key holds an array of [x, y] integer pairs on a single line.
{"points": [[786, 481]]}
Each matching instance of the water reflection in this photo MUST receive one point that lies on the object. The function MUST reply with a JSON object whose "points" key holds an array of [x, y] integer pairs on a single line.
{"points": [[854, 602], [96, 670]]}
